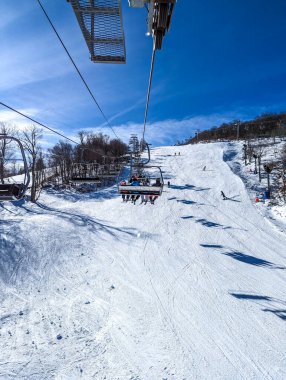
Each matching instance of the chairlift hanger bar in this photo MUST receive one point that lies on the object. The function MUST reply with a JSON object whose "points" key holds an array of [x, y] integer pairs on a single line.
{"points": [[159, 17], [158, 22]]}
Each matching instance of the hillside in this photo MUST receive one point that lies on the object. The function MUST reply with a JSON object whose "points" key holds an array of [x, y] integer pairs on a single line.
{"points": [[264, 126], [193, 287]]}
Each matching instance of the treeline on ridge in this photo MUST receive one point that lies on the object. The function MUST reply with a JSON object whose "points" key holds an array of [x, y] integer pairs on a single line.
{"points": [[263, 126]]}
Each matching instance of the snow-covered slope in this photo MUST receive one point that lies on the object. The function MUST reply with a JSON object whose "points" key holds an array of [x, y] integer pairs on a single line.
{"points": [[192, 287], [275, 210]]}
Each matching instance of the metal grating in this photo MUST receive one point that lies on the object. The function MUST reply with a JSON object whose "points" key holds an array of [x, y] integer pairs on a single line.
{"points": [[101, 25]]}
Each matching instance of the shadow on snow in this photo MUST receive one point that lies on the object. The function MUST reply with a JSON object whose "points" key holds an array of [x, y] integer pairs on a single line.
{"points": [[182, 187], [204, 222], [244, 258], [189, 187], [252, 260], [211, 245], [108, 192], [276, 307], [186, 202], [85, 221], [208, 223]]}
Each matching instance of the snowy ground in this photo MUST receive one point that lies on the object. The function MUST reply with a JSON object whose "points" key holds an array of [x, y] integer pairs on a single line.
{"points": [[274, 209], [193, 287]]}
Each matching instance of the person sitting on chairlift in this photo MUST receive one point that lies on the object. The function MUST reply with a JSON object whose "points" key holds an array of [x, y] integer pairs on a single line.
{"points": [[123, 183], [134, 178], [144, 197], [135, 182], [153, 198], [158, 182]]}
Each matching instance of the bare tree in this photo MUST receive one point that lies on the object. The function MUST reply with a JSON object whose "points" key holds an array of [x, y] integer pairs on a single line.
{"points": [[6, 149], [249, 152], [31, 140], [260, 151], [62, 156], [282, 173]]}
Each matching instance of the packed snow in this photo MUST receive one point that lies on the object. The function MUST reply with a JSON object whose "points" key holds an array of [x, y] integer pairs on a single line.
{"points": [[192, 287]]}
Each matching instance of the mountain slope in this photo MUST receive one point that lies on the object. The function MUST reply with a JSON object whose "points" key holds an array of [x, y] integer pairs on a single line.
{"points": [[190, 288]]}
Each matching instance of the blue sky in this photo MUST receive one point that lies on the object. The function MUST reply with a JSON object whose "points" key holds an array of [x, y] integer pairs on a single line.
{"points": [[221, 60]]}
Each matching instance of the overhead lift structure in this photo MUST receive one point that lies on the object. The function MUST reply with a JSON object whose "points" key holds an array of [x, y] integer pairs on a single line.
{"points": [[101, 25]]}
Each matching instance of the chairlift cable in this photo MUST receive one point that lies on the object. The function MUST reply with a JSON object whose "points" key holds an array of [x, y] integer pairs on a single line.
{"points": [[148, 92], [78, 71], [37, 122], [50, 129]]}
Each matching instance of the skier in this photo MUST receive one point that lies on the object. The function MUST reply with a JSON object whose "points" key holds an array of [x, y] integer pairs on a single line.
{"points": [[169, 184], [204, 169], [223, 195]]}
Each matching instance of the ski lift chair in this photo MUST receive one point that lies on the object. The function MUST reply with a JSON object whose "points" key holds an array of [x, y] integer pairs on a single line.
{"points": [[108, 171], [16, 190], [115, 169], [154, 189], [85, 173]]}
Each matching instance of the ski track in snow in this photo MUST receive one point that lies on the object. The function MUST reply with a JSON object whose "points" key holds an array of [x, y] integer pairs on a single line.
{"points": [[192, 287]]}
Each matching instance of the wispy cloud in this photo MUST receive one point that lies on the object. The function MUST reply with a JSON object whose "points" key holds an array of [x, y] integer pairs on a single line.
{"points": [[10, 15], [168, 132], [20, 124], [38, 79], [124, 112], [23, 64], [11, 118], [140, 103], [159, 133]]}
